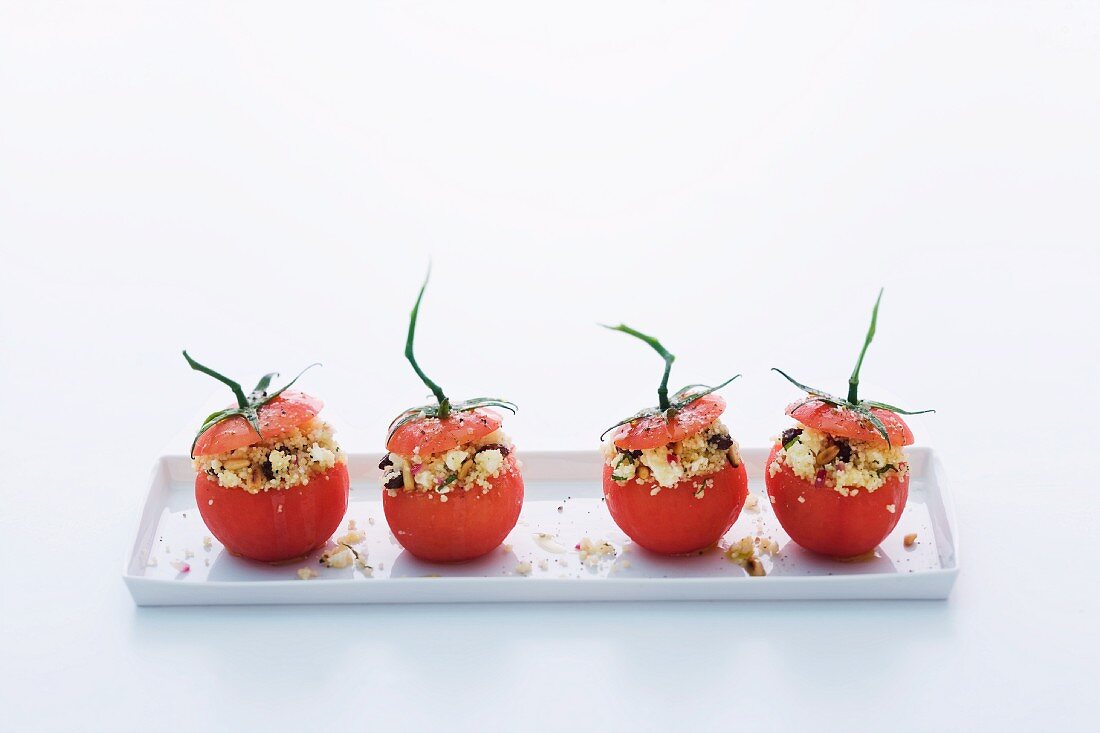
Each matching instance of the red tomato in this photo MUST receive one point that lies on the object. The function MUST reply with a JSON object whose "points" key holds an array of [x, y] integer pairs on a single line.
{"points": [[275, 525], [673, 521], [281, 415], [432, 435], [829, 523], [468, 525], [847, 424], [650, 432]]}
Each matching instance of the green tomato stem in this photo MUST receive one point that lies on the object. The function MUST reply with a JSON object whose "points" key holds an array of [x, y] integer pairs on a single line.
{"points": [[444, 403], [853, 381]]}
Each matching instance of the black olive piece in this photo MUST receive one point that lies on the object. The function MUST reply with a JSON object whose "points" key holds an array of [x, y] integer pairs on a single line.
{"points": [[845, 453], [386, 461], [721, 441], [396, 482], [494, 446], [266, 468], [789, 434]]}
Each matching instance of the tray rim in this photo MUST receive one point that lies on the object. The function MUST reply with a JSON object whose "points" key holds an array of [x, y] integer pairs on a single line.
{"points": [[138, 584]]}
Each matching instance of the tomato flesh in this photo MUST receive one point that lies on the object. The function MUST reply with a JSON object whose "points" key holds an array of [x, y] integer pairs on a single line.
{"points": [[847, 424], [275, 525], [466, 526], [827, 522], [657, 430], [673, 521], [432, 435], [281, 415]]}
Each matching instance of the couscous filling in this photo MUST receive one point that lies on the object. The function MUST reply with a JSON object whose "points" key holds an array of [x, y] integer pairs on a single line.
{"points": [[464, 468], [697, 456], [837, 463], [280, 463]]}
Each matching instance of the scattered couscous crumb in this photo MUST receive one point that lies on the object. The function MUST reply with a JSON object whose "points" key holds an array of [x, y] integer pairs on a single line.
{"points": [[352, 526], [523, 568], [340, 556], [592, 553], [544, 564], [370, 521], [891, 508], [752, 503], [801, 500], [187, 554], [306, 573], [745, 551], [207, 543], [505, 548], [910, 539], [180, 566], [353, 537]]}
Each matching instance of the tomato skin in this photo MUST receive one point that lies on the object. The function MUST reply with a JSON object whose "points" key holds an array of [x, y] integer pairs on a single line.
{"points": [[466, 526], [829, 523], [674, 522], [432, 435], [847, 424], [281, 415], [656, 430], [276, 525]]}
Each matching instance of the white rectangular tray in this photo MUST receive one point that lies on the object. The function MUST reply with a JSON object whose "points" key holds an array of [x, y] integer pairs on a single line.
{"points": [[563, 499]]}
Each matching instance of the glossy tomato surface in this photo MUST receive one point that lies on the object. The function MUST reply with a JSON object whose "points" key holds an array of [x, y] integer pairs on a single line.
{"points": [[829, 523], [281, 415], [847, 424], [657, 430], [274, 525], [468, 525], [673, 521], [432, 435]]}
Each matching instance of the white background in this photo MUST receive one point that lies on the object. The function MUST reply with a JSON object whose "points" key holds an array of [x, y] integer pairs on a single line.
{"points": [[265, 186]]}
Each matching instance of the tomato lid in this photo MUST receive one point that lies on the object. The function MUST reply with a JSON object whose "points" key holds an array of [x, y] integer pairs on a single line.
{"points": [[847, 423], [281, 415], [656, 430], [434, 435]]}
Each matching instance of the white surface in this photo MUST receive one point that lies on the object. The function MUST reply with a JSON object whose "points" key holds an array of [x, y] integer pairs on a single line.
{"points": [[169, 171], [562, 504]]}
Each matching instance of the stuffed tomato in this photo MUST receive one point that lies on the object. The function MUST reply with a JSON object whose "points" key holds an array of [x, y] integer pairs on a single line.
{"points": [[673, 477], [271, 483], [452, 489], [838, 480]]}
